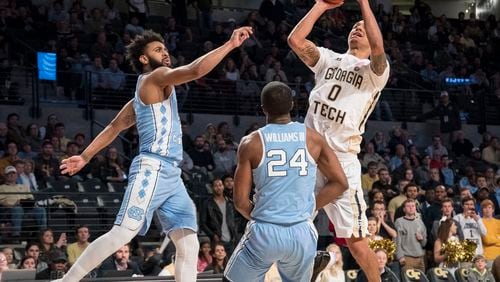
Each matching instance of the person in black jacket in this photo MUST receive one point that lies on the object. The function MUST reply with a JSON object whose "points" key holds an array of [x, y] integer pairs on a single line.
{"points": [[386, 275], [449, 117], [121, 261], [217, 218], [58, 266]]}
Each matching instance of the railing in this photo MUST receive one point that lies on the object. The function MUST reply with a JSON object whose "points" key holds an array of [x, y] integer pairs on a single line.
{"points": [[222, 96]]}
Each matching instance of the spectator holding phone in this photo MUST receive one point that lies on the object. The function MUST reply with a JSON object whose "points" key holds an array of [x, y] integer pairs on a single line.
{"points": [[471, 223]]}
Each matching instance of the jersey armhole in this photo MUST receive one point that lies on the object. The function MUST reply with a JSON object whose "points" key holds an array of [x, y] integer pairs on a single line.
{"points": [[263, 156]]}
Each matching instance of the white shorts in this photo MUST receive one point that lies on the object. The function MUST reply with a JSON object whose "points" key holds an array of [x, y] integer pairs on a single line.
{"points": [[348, 212]]}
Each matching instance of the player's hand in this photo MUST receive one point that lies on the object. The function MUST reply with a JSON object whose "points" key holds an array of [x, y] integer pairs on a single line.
{"points": [[328, 6], [240, 35], [72, 165]]}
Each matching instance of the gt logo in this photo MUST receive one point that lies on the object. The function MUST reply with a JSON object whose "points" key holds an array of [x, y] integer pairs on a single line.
{"points": [[441, 273], [352, 274], [411, 273], [135, 213]]}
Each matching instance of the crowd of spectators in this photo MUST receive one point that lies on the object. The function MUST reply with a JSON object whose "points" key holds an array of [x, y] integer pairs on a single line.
{"points": [[450, 187]]}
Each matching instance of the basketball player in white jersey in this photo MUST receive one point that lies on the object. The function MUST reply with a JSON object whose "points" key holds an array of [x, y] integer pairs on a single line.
{"points": [[347, 88]]}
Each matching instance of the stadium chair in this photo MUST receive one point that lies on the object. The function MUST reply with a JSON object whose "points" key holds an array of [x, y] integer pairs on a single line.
{"points": [[94, 185], [438, 274], [118, 186], [413, 275], [63, 186], [462, 274], [351, 275]]}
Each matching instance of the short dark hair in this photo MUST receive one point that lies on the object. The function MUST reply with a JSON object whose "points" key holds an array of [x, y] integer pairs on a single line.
{"points": [[276, 98], [411, 184], [136, 48], [12, 115], [372, 164]]}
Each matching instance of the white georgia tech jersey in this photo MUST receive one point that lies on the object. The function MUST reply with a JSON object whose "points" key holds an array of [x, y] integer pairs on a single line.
{"points": [[345, 94]]}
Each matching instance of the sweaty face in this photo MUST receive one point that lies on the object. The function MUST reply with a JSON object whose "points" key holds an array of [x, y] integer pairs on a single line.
{"points": [[157, 55]]}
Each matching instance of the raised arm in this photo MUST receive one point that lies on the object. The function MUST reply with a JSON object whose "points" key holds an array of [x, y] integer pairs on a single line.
{"points": [[305, 49], [123, 120], [377, 57], [329, 165], [201, 66], [243, 175]]}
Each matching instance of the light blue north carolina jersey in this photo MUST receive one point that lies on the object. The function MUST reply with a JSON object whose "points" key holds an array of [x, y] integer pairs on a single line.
{"points": [[285, 178], [159, 127]]}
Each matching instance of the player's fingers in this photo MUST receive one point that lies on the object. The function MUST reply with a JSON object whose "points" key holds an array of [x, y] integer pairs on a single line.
{"points": [[62, 166], [247, 29]]}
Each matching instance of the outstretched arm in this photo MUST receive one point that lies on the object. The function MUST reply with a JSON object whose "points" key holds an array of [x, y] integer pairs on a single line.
{"points": [[378, 61], [305, 49], [329, 165], [201, 66], [123, 120]]}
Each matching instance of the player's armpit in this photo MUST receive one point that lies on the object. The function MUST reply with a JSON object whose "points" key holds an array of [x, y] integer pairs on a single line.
{"points": [[378, 64], [308, 53]]}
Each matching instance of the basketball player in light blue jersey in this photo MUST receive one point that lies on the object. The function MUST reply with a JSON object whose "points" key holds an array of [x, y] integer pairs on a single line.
{"points": [[154, 178], [281, 159]]}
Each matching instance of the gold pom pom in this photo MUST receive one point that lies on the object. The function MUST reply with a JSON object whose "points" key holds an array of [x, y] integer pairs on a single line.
{"points": [[385, 244], [458, 251]]}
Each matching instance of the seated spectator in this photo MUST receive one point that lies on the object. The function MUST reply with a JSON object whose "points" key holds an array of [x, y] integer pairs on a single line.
{"points": [[469, 180], [276, 70], [386, 273], [46, 165], [28, 262], [26, 175], [476, 161], [60, 133], [224, 159], [414, 156], [411, 192], [204, 256], [111, 168], [15, 130], [447, 171], [120, 260], [203, 160], [96, 73], [380, 144], [491, 153], [479, 272], [33, 137], [397, 159], [333, 272], [16, 205], [114, 78], [370, 177], [384, 183], [434, 179], [491, 240], [11, 155], [422, 173], [371, 156], [10, 256], [47, 244], [58, 266], [397, 201], [27, 153], [447, 232], [472, 225], [219, 260], [385, 227], [75, 249], [372, 229], [461, 147], [32, 249], [133, 28]]}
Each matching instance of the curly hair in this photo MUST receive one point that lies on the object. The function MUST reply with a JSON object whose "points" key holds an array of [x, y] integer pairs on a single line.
{"points": [[136, 48]]}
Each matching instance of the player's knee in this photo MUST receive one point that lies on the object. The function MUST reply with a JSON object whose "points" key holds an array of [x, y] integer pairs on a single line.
{"points": [[120, 236], [186, 242]]}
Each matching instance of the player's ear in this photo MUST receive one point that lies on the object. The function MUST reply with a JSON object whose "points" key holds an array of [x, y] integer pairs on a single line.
{"points": [[144, 59]]}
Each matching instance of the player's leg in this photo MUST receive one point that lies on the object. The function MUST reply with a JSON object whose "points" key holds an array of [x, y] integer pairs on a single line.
{"points": [[299, 250], [134, 216], [98, 251], [350, 222], [250, 261], [177, 215]]}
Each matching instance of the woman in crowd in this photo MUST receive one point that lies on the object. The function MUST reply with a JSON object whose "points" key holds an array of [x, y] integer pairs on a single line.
{"points": [[204, 256], [47, 244], [219, 260], [3, 264], [372, 229], [27, 262], [334, 273]]}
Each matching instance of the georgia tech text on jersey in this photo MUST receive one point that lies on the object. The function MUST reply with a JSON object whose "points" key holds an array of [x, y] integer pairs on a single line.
{"points": [[351, 77]]}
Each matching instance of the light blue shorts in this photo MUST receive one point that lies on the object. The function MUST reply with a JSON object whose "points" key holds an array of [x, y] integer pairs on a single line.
{"points": [[156, 185], [293, 248]]}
